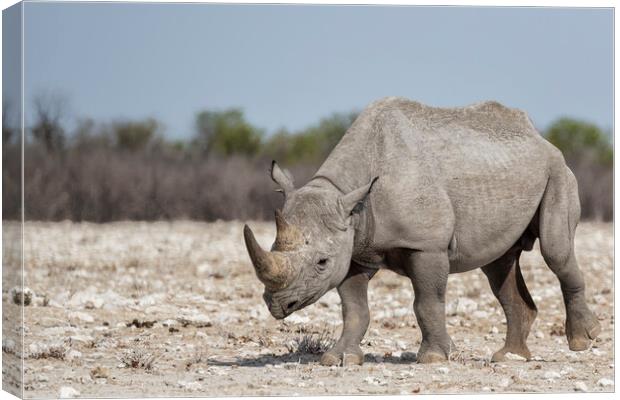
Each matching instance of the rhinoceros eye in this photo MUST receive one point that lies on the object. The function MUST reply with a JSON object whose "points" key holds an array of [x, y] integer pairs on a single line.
{"points": [[322, 263]]}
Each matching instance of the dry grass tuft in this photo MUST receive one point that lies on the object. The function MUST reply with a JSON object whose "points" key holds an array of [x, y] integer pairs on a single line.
{"points": [[312, 343], [55, 350], [138, 359]]}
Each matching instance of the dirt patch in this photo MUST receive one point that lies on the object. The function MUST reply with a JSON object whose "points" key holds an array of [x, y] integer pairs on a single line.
{"points": [[174, 309]]}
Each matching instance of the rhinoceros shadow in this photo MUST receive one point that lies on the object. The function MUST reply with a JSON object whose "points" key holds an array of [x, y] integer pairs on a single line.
{"points": [[299, 358]]}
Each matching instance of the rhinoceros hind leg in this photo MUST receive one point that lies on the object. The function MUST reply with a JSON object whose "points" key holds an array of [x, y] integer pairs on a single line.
{"points": [[559, 215], [507, 283], [353, 293]]}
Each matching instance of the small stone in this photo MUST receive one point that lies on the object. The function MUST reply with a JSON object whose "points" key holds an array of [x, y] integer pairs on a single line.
{"points": [[505, 382], [8, 346], [494, 330], [605, 382], [581, 387], [551, 375], [443, 370], [539, 335], [82, 338], [189, 385], [21, 296], [73, 355], [42, 378], [99, 373], [67, 392], [401, 345], [298, 319], [401, 312], [514, 357], [480, 314], [81, 316], [597, 352]]}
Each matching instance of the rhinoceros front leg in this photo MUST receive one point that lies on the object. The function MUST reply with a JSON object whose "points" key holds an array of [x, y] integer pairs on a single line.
{"points": [[429, 276], [353, 293]]}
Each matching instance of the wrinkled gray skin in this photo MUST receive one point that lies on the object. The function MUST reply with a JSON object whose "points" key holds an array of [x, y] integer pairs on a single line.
{"points": [[457, 189]]}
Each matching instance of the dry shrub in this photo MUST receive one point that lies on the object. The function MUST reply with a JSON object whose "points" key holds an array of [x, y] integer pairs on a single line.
{"points": [[45, 351], [138, 358], [317, 342], [102, 185]]}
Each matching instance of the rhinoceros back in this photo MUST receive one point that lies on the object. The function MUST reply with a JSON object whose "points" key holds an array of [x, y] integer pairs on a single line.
{"points": [[477, 172]]}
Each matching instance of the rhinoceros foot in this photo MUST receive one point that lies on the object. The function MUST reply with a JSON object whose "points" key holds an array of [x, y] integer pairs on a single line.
{"points": [[351, 356], [500, 355], [580, 332], [431, 356]]}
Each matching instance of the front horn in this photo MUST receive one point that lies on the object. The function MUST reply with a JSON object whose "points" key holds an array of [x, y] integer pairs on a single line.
{"points": [[272, 268]]}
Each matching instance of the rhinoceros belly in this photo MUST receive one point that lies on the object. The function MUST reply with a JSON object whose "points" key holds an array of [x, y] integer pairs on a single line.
{"points": [[494, 194]]}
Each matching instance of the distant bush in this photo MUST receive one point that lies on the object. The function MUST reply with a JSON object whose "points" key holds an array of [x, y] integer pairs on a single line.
{"points": [[311, 145], [578, 139], [226, 133], [589, 154], [134, 136]]}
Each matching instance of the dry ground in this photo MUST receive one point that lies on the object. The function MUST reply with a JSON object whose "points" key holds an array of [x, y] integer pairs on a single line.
{"points": [[174, 309]]}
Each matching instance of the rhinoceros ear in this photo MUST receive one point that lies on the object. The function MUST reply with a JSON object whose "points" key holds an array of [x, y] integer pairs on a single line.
{"points": [[353, 202], [282, 177]]}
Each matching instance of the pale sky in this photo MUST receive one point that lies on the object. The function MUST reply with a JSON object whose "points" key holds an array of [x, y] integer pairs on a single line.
{"points": [[290, 65]]}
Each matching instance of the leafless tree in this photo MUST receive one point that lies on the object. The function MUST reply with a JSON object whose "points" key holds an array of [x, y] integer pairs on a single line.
{"points": [[49, 111]]}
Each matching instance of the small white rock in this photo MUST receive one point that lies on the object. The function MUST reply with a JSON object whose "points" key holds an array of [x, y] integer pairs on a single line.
{"points": [[21, 296], [67, 392], [369, 380], [73, 355], [443, 370], [514, 357], [551, 375], [581, 387], [401, 312], [494, 329], [597, 352], [401, 345], [298, 319], [605, 382], [505, 382], [189, 385], [81, 316], [539, 335]]}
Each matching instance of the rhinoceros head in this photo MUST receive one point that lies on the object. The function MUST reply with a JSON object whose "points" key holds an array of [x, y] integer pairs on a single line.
{"points": [[313, 246]]}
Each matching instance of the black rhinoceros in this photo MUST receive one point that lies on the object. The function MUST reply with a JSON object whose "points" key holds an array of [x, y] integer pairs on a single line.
{"points": [[426, 192]]}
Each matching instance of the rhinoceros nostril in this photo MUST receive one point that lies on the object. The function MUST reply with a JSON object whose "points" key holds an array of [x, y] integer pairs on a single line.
{"points": [[292, 304]]}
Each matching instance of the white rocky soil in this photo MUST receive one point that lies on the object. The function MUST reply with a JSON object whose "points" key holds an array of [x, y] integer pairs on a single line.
{"points": [[138, 309]]}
